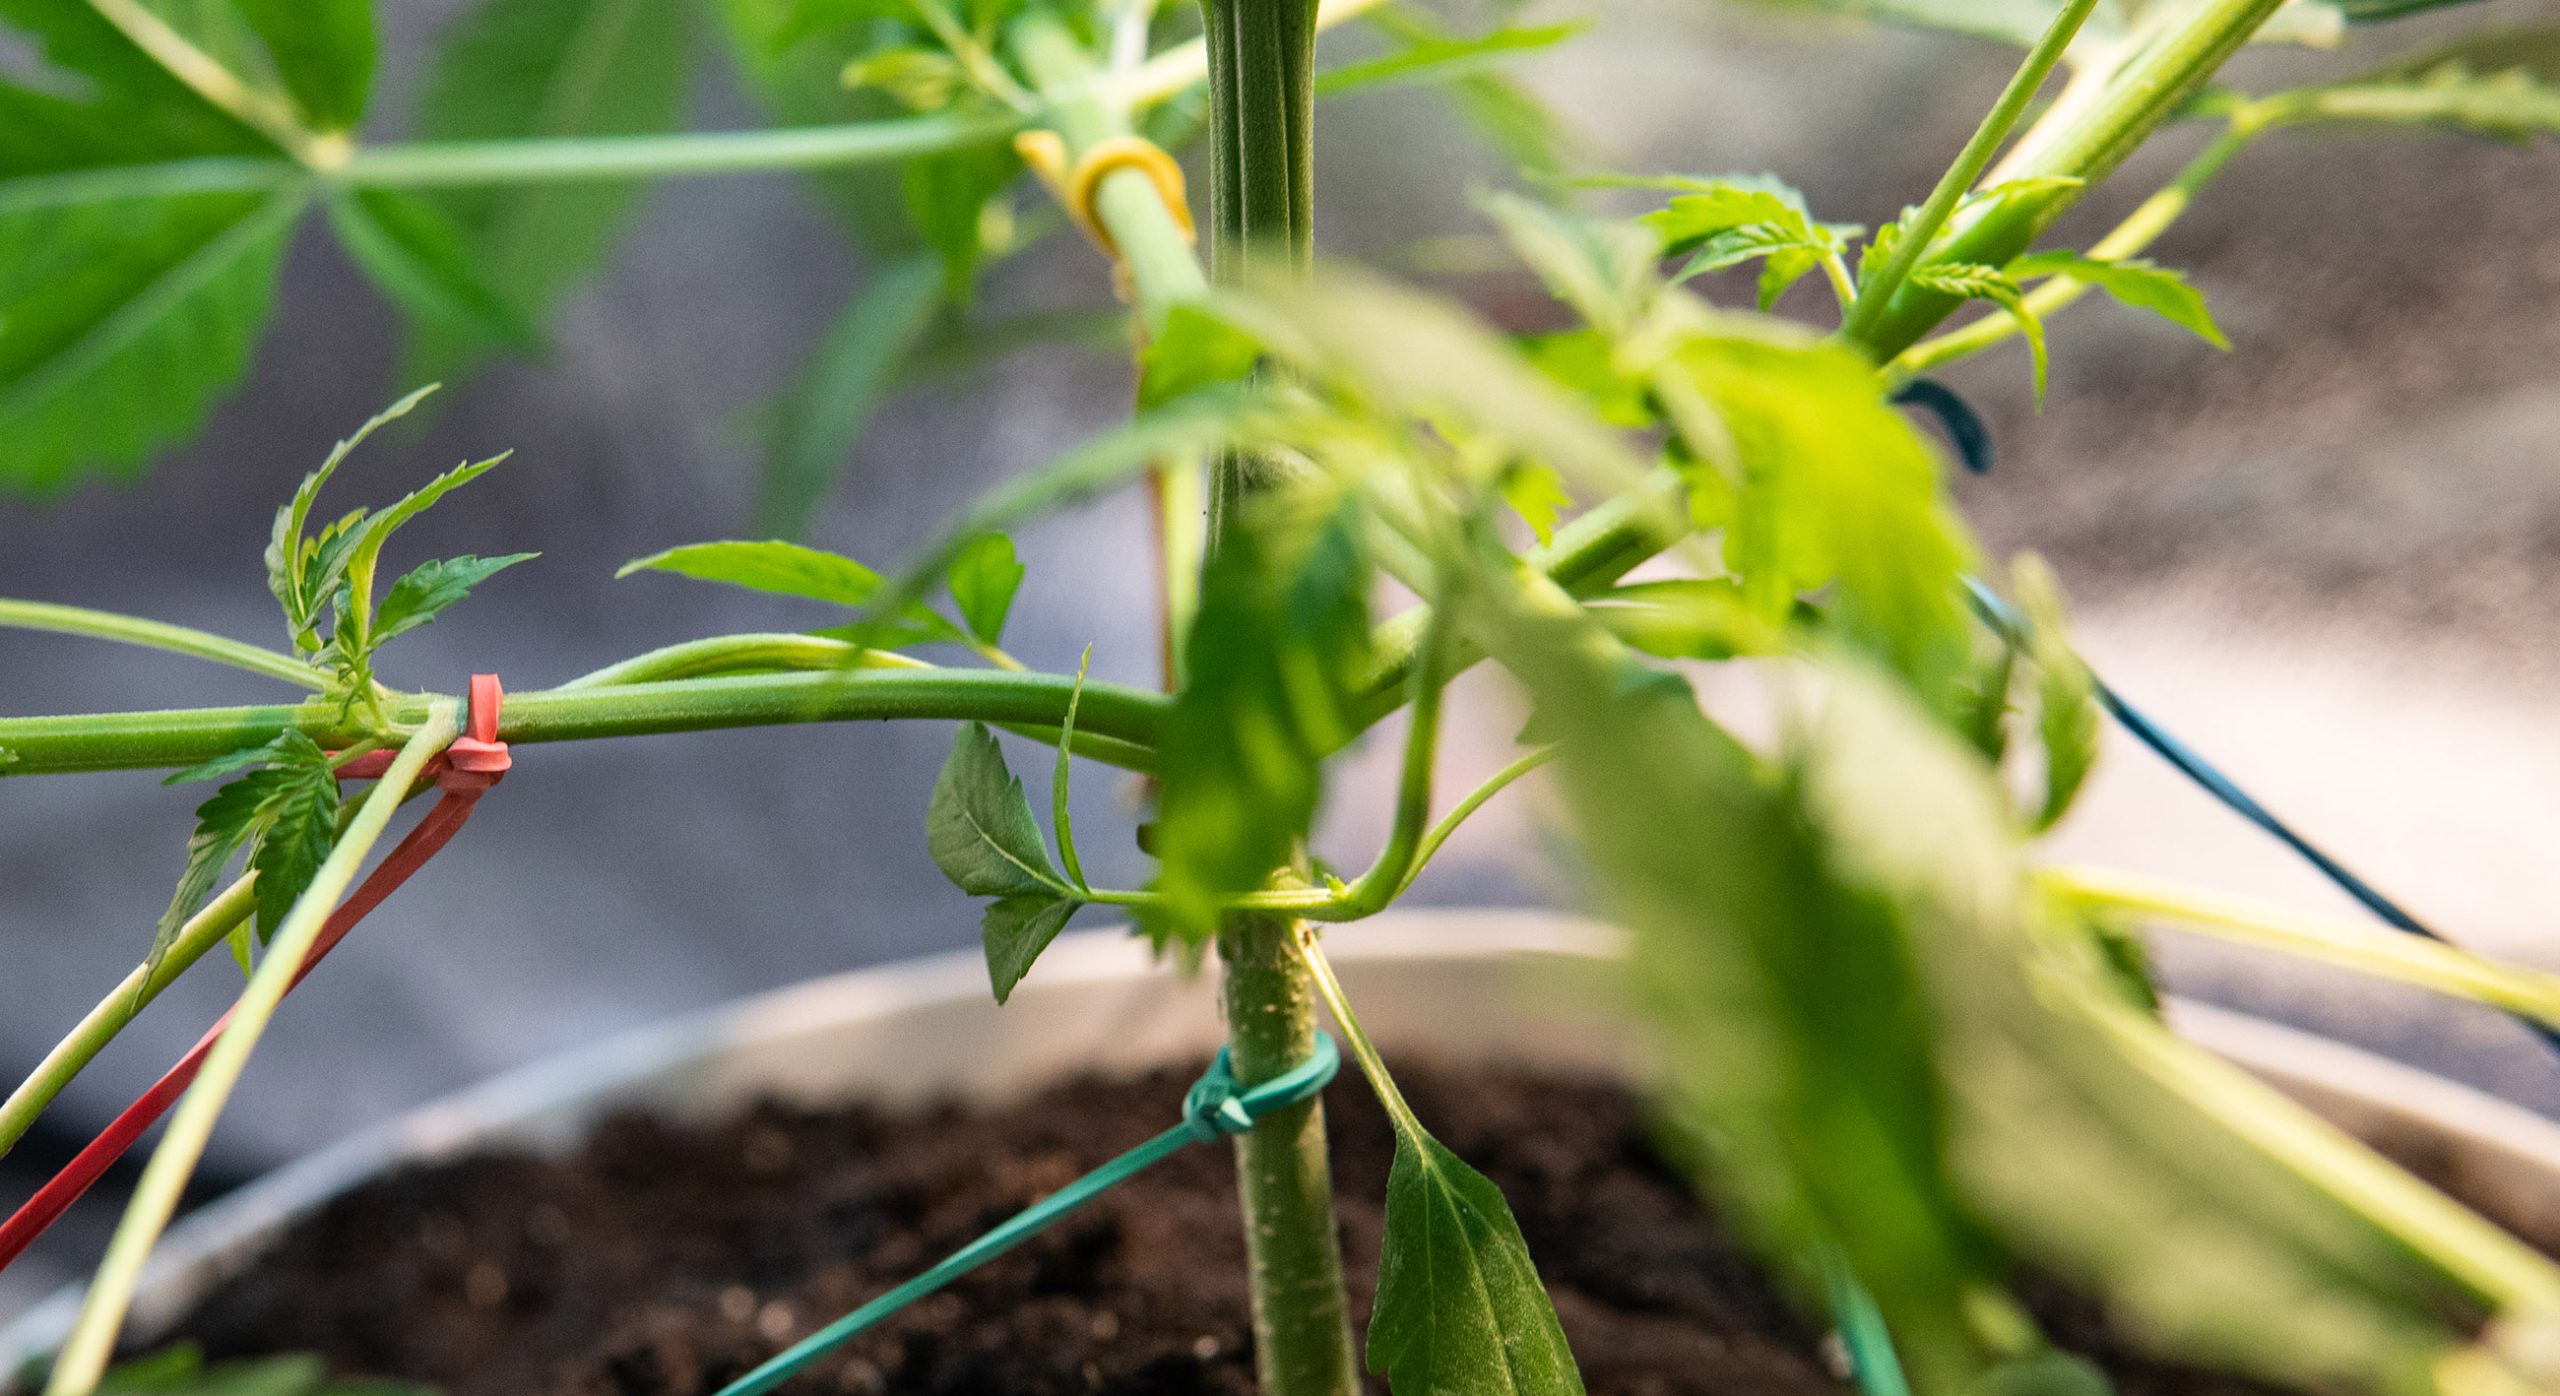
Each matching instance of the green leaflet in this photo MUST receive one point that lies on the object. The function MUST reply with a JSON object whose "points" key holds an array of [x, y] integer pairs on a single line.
{"points": [[784, 569], [2135, 283], [819, 421], [519, 68], [323, 53], [420, 259], [1603, 269], [984, 578], [429, 589], [1835, 488], [127, 108], [982, 835], [1508, 117], [1536, 492], [1277, 651], [1975, 282], [1460, 1310], [298, 824], [2066, 693], [980, 826], [126, 320], [1433, 58], [1721, 223]]}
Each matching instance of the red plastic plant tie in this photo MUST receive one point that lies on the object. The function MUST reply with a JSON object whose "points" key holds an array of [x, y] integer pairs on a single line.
{"points": [[474, 762]]}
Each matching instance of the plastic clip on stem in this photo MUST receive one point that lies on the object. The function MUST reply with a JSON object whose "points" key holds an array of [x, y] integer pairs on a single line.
{"points": [[1216, 1107], [1078, 188], [474, 762]]}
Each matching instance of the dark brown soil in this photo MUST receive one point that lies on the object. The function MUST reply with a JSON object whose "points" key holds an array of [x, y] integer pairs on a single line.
{"points": [[664, 1260]]}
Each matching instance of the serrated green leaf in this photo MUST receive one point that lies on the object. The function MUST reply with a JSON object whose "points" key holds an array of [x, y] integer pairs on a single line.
{"points": [[298, 821], [1016, 929], [784, 569], [1279, 645], [419, 258], [513, 69], [980, 828], [2138, 284], [947, 197], [1974, 281], [122, 322], [1197, 348], [230, 763], [2066, 692], [100, 100], [221, 824], [323, 52], [983, 580], [819, 422], [1460, 1310], [303, 570], [1441, 58], [431, 587], [1836, 489]]}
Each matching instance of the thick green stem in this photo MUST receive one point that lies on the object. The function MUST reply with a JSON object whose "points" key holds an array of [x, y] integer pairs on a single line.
{"points": [[1301, 1312], [137, 741], [2079, 141], [164, 1179], [1262, 220], [2126, 239], [1967, 167]]}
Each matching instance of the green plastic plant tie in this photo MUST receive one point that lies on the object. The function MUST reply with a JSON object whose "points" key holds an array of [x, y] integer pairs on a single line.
{"points": [[1861, 1327], [1215, 1107]]}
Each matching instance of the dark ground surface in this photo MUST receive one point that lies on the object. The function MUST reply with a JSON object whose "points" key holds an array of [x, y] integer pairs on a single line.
{"points": [[665, 1261]]}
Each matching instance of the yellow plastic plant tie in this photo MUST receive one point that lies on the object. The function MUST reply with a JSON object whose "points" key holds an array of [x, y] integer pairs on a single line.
{"points": [[1076, 186]]}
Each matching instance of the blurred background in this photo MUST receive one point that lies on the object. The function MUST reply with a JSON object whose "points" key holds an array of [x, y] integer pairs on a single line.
{"points": [[2325, 558]]}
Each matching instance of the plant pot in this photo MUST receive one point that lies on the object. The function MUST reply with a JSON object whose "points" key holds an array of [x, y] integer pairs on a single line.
{"points": [[1454, 985]]}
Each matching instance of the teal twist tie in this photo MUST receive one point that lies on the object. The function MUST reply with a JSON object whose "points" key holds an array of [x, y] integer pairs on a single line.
{"points": [[1215, 1107]]}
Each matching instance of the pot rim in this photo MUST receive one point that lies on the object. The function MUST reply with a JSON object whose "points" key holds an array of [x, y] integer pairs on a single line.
{"points": [[549, 1103]]}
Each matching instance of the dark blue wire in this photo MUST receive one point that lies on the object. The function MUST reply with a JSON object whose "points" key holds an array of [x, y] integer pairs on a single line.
{"points": [[1965, 430]]}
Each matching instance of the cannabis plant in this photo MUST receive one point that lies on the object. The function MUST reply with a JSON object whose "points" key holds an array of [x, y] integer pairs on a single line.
{"points": [[1912, 1062]]}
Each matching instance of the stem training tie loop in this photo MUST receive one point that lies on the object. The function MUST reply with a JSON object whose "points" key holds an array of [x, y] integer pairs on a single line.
{"points": [[1077, 186], [474, 762], [1213, 1108]]}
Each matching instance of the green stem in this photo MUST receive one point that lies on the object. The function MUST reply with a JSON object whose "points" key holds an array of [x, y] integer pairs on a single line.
{"points": [[2128, 238], [155, 1200], [1301, 1310], [1400, 857], [185, 737], [2356, 945], [1329, 988], [177, 639], [203, 931], [1969, 164], [2084, 141]]}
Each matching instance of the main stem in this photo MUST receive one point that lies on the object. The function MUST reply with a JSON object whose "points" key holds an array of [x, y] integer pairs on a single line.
{"points": [[1262, 220]]}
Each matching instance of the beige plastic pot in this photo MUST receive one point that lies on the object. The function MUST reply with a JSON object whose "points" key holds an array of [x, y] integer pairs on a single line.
{"points": [[1474, 986]]}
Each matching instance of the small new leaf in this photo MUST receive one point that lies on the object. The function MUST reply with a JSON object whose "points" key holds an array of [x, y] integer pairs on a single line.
{"points": [[984, 578], [2138, 284], [1535, 491], [1974, 281], [1197, 348], [431, 587], [299, 816], [980, 826], [1460, 1311]]}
